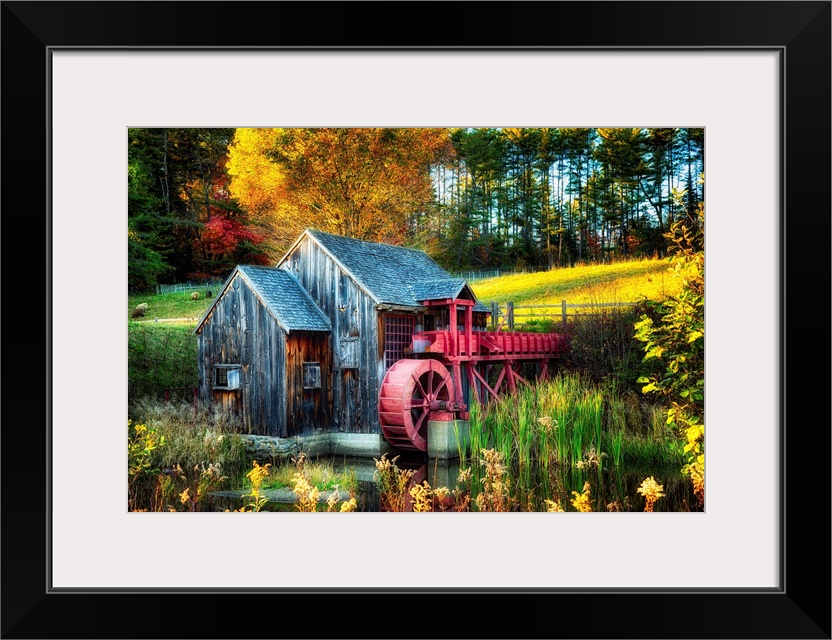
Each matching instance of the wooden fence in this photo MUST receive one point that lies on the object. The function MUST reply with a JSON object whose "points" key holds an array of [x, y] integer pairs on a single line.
{"points": [[470, 276], [509, 313], [155, 320], [187, 287]]}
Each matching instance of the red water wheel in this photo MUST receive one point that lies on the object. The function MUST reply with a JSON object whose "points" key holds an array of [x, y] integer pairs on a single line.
{"points": [[413, 392]]}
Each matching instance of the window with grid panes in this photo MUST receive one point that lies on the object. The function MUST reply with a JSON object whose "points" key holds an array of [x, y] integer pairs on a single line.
{"points": [[398, 334]]}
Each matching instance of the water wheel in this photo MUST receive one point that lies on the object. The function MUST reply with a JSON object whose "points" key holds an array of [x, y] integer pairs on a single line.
{"points": [[413, 392]]}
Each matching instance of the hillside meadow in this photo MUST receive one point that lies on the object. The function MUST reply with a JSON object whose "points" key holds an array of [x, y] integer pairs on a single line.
{"points": [[630, 281]]}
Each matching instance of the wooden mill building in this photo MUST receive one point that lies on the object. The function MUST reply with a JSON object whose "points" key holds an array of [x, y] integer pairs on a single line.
{"points": [[301, 348]]}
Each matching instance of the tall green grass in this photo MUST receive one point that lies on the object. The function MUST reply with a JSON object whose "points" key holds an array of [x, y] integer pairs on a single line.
{"points": [[563, 432]]}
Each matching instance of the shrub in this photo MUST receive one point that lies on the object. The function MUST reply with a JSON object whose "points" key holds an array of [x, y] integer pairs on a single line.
{"points": [[604, 346]]}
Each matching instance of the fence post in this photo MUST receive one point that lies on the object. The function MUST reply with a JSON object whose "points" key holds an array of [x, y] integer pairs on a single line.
{"points": [[563, 311], [510, 315], [495, 311]]}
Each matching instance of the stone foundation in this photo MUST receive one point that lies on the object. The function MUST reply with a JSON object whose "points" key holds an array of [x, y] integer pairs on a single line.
{"points": [[359, 445], [446, 439]]}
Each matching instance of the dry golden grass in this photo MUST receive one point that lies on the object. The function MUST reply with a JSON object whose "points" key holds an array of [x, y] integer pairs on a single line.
{"points": [[620, 282]]}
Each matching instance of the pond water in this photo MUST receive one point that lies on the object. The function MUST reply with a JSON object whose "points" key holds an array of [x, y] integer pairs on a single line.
{"points": [[611, 489]]}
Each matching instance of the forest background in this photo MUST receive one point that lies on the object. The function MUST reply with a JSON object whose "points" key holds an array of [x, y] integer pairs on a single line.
{"points": [[201, 201]]}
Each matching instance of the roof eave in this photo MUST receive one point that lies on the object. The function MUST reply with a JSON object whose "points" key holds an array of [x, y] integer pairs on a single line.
{"points": [[275, 315], [216, 300]]}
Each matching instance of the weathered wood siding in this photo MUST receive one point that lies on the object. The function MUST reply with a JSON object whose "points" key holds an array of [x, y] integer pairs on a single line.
{"points": [[356, 364], [240, 330], [308, 409]]}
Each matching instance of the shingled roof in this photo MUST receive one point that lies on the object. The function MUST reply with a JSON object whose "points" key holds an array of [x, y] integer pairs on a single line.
{"points": [[391, 274], [437, 289], [282, 296]]}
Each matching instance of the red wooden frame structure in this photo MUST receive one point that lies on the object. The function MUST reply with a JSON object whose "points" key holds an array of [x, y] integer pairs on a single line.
{"points": [[405, 406]]}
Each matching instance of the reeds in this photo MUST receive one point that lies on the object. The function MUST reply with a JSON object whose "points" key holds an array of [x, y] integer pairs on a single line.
{"points": [[554, 438]]}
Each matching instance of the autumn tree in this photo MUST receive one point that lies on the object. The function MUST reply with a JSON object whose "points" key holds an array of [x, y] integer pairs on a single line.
{"points": [[182, 221], [371, 184]]}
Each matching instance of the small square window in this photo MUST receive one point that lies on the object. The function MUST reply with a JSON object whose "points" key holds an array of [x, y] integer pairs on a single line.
{"points": [[311, 375], [349, 352], [227, 377]]}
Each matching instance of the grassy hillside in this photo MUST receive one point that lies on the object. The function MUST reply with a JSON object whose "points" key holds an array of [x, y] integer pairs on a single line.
{"points": [[170, 305], [620, 282], [159, 357], [163, 355]]}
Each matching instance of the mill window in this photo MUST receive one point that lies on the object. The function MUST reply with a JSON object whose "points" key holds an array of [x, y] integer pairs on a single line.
{"points": [[311, 375], [398, 334], [227, 377]]}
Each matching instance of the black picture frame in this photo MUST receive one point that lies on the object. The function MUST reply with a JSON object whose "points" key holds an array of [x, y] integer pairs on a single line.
{"points": [[800, 31]]}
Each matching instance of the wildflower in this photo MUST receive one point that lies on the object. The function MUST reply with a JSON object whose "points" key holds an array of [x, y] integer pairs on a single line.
{"points": [[592, 459], [548, 423], [421, 495], [552, 506], [332, 501], [184, 496], [307, 494], [349, 505], [696, 471], [652, 491], [581, 500]]}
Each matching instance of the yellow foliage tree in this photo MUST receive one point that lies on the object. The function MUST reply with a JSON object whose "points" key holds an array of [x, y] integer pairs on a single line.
{"points": [[259, 184], [366, 183]]}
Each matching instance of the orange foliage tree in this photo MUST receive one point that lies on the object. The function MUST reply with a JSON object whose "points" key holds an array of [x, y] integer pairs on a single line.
{"points": [[367, 183]]}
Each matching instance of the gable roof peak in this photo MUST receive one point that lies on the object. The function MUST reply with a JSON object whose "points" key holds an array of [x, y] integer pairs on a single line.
{"points": [[282, 296]]}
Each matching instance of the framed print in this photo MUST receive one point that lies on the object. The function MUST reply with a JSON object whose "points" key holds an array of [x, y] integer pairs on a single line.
{"points": [[754, 76]]}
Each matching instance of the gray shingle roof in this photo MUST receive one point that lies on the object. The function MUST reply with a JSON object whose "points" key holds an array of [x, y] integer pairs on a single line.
{"points": [[437, 289], [285, 298], [384, 270], [392, 275]]}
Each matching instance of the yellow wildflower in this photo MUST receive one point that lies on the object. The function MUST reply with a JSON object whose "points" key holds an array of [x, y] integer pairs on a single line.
{"points": [[581, 500], [652, 491], [349, 505], [553, 506]]}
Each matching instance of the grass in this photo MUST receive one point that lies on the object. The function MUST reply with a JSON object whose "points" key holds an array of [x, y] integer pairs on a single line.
{"points": [[619, 282], [209, 437], [567, 431], [191, 445], [170, 305], [160, 356], [320, 472]]}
